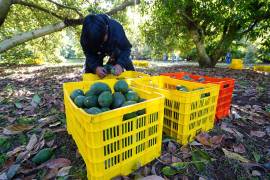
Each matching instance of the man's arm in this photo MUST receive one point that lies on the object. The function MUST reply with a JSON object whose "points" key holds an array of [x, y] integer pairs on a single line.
{"points": [[92, 60], [124, 45], [91, 63]]}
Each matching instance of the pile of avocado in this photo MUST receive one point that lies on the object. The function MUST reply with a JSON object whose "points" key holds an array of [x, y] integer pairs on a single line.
{"points": [[185, 89], [99, 98], [188, 78]]}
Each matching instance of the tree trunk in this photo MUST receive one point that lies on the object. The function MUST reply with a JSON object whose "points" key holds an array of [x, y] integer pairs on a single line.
{"points": [[203, 58], [4, 9], [26, 36], [196, 34], [220, 50], [229, 34]]}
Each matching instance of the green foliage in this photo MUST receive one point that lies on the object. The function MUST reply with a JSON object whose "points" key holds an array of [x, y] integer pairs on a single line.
{"points": [[3, 158], [53, 47], [4, 144], [171, 22], [22, 139], [49, 135], [25, 120], [256, 156], [200, 155], [250, 55], [43, 155], [174, 168]]}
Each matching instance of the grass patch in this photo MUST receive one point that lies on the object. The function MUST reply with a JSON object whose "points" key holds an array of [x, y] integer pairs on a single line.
{"points": [[25, 121], [3, 159], [79, 172], [49, 135], [4, 144]]}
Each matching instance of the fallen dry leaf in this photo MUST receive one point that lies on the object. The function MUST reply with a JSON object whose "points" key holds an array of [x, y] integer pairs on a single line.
{"points": [[47, 120], [232, 131], [50, 143], [33, 140], [176, 159], [59, 130], [55, 163], [64, 171], [12, 171], [257, 133], [22, 156], [234, 156], [207, 140], [256, 108], [202, 178], [166, 158], [146, 171], [153, 169], [217, 139], [267, 129], [55, 124], [3, 176], [257, 119], [203, 138], [185, 152], [16, 129], [15, 151], [256, 173], [236, 115], [195, 143], [240, 148], [171, 147], [11, 119], [51, 174], [39, 145], [152, 177]]}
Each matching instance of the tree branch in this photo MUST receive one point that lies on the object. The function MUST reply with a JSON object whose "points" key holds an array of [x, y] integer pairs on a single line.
{"points": [[250, 28], [31, 5], [123, 6], [45, 30], [67, 7], [4, 9], [256, 21], [26, 36]]}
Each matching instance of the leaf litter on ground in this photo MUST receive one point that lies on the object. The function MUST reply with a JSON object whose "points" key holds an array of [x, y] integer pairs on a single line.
{"points": [[44, 94]]}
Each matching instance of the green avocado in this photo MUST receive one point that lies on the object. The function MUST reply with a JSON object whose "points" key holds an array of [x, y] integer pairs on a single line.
{"points": [[121, 86], [105, 99]]}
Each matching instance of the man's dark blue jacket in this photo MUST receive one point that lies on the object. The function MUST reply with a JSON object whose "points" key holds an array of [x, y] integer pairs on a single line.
{"points": [[117, 46]]}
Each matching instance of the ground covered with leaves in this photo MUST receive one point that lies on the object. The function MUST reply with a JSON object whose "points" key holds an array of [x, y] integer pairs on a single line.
{"points": [[32, 121]]}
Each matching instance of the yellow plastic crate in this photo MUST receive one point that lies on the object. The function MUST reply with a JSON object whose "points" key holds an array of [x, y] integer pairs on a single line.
{"points": [[237, 61], [262, 68], [141, 63], [124, 75], [109, 145], [186, 114], [236, 66]]}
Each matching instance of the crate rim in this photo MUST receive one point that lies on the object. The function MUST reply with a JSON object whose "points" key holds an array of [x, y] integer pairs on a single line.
{"points": [[216, 78], [93, 116]]}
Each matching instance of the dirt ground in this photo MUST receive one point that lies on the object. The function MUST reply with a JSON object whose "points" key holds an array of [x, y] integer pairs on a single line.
{"points": [[31, 108]]}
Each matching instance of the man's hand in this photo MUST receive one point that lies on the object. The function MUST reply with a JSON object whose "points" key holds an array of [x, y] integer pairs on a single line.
{"points": [[118, 69], [101, 72]]}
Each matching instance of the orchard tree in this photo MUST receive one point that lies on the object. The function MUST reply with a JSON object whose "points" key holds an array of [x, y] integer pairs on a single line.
{"points": [[212, 25], [25, 20]]}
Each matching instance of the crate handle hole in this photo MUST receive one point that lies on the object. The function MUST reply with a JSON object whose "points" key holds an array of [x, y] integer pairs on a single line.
{"points": [[226, 85], [204, 95]]}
